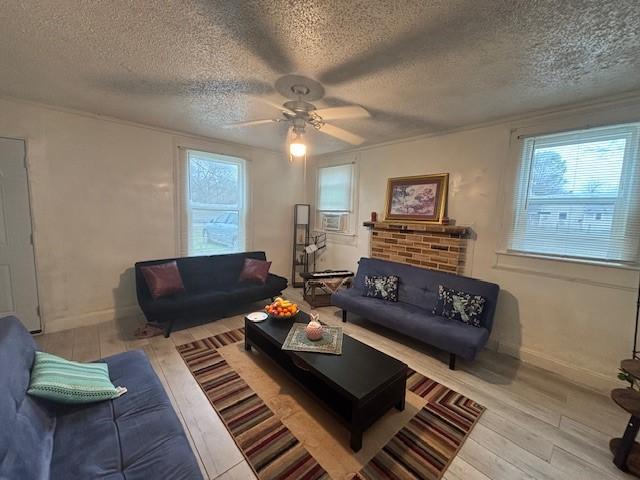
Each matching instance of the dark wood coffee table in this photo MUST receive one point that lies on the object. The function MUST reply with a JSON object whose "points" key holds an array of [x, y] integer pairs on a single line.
{"points": [[359, 386]]}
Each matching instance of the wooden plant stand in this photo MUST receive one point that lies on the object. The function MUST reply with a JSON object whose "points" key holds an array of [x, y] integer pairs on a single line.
{"points": [[626, 450]]}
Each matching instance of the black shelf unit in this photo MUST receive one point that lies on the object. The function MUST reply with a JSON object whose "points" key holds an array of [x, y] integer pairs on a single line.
{"points": [[301, 225]]}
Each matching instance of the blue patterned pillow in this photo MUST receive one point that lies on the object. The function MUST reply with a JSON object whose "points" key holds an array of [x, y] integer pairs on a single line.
{"points": [[457, 305], [385, 288]]}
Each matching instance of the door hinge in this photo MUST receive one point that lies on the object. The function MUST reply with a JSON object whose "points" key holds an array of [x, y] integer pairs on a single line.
{"points": [[31, 238], [38, 310]]}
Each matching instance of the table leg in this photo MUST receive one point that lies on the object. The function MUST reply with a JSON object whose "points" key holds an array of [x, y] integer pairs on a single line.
{"points": [[401, 403], [355, 428], [247, 345], [356, 440]]}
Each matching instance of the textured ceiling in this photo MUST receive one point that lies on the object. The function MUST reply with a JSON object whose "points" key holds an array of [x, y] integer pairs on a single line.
{"points": [[417, 66]]}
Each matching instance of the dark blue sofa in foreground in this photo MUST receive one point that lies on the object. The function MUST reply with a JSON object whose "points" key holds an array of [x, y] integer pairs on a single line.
{"points": [[211, 284], [134, 437], [412, 314]]}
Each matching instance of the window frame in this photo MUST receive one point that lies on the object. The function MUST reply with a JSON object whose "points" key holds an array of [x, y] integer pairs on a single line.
{"points": [[348, 217], [187, 206], [522, 162]]}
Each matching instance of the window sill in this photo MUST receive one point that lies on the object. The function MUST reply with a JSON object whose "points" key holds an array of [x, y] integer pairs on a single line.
{"points": [[600, 274], [578, 261], [340, 234], [341, 238]]}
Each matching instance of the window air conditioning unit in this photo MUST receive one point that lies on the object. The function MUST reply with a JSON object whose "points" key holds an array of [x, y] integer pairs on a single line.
{"points": [[334, 222]]}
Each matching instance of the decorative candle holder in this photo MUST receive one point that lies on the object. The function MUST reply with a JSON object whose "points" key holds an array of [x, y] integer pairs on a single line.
{"points": [[314, 328]]}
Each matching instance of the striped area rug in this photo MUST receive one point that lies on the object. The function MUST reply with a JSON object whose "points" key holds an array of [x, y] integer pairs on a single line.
{"points": [[421, 450]]}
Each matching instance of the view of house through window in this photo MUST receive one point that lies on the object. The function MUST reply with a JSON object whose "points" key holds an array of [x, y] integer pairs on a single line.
{"points": [[579, 195], [215, 210]]}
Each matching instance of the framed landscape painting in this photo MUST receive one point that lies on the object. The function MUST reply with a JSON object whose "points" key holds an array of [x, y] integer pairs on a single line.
{"points": [[417, 199]]}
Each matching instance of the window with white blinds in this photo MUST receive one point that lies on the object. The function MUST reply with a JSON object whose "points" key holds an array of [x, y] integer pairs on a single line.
{"points": [[335, 186], [335, 198], [578, 195]]}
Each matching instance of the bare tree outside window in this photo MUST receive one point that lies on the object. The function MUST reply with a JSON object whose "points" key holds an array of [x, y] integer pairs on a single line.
{"points": [[548, 173], [216, 187]]}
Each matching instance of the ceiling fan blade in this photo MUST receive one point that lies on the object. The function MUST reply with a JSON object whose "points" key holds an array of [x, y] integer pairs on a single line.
{"points": [[273, 104], [342, 134], [434, 37], [338, 113], [250, 26], [250, 123]]}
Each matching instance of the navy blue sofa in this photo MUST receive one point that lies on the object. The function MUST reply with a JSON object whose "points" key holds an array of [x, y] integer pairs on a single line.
{"points": [[417, 295], [211, 284], [136, 436]]}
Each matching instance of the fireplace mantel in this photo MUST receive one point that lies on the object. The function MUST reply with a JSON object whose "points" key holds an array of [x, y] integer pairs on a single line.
{"points": [[432, 246], [458, 230]]}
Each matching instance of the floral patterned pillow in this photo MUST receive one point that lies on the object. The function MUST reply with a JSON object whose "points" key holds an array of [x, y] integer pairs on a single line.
{"points": [[457, 305], [385, 288]]}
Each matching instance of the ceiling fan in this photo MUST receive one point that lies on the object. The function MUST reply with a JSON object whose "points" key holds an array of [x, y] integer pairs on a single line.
{"points": [[299, 113]]}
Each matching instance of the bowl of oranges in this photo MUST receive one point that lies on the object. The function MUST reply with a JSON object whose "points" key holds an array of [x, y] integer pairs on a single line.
{"points": [[282, 308]]}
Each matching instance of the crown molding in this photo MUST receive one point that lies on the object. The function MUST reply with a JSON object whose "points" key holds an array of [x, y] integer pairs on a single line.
{"points": [[121, 121], [512, 121]]}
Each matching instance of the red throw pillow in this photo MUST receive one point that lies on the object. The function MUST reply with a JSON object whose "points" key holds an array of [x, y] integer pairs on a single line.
{"points": [[163, 279], [254, 270]]}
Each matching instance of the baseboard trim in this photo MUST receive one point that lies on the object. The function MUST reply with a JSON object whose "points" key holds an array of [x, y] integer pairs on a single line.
{"points": [[591, 379], [90, 318]]}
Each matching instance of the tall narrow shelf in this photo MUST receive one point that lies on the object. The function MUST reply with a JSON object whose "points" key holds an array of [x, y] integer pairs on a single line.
{"points": [[300, 260], [626, 451]]}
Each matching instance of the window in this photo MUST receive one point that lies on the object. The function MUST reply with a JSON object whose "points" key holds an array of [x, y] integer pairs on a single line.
{"points": [[578, 195], [335, 198], [215, 204]]}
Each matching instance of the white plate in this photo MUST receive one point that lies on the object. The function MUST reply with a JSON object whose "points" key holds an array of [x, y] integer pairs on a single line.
{"points": [[257, 316]]}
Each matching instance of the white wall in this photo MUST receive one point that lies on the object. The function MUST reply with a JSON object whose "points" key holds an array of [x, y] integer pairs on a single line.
{"points": [[575, 319], [103, 197]]}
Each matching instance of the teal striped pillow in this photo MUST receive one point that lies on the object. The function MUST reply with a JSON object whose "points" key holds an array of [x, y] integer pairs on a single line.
{"points": [[64, 381]]}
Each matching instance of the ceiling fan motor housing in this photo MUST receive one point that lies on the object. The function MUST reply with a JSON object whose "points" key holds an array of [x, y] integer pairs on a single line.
{"points": [[304, 113], [295, 87], [299, 106]]}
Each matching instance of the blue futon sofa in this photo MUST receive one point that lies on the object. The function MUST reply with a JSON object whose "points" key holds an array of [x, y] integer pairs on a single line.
{"points": [[417, 295], [136, 436]]}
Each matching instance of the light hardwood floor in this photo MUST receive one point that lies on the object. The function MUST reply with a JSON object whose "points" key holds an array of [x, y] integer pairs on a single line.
{"points": [[537, 425]]}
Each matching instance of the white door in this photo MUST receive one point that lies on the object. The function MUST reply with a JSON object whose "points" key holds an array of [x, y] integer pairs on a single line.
{"points": [[18, 291]]}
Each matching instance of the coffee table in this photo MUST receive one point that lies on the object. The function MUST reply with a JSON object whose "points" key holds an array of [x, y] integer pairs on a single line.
{"points": [[358, 387]]}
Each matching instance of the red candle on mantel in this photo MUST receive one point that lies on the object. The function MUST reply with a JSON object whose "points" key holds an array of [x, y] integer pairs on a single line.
{"points": [[374, 217]]}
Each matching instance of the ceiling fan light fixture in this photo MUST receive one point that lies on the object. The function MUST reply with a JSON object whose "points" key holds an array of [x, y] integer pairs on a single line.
{"points": [[297, 147]]}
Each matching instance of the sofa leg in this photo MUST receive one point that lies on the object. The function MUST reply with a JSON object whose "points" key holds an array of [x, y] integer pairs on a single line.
{"points": [[452, 361], [344, 316], [167, 331]]}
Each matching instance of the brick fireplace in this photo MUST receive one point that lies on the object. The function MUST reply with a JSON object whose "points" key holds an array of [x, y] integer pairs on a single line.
{"points": [[437, 247]]}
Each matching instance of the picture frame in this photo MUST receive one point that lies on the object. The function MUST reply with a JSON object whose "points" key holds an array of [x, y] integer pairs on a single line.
{"points": [[420, 198]]}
